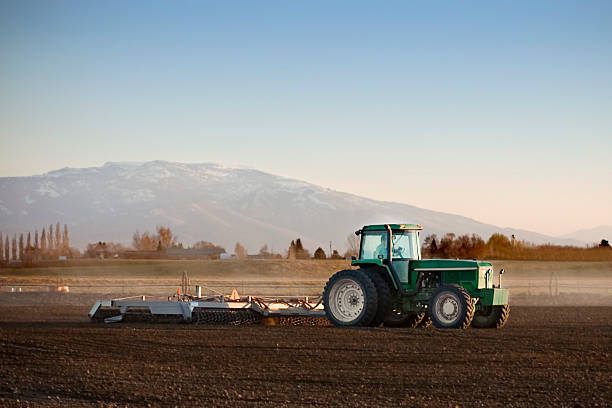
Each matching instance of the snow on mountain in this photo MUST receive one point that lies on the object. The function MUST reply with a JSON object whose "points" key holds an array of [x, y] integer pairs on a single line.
{"points": [[209, 202], [591, 235]]}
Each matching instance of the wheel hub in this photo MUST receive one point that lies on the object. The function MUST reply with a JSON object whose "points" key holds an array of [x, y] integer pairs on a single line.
{"points": [[347, 300], [448, 308]]}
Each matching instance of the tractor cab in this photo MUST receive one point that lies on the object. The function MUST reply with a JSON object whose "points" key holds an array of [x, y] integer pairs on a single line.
{"points": [[394, 245], [398, 242]]}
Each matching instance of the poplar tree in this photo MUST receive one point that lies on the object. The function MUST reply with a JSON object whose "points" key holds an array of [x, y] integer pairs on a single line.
{"points": [[58, 237], [29, 242], [50, 237], [1, 248], [65, 239], [36, 239], [7, 249], [21, 247], [43, 241], [14, 247]]}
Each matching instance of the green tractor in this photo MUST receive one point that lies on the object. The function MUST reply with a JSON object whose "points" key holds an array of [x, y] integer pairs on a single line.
{"points": [[395, 287]]}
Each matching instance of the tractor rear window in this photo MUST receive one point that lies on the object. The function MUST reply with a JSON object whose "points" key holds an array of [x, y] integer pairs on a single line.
{"points": [[373, 244]]}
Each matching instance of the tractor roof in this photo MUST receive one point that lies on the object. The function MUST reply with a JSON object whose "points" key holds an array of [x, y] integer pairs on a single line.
{"points": [[381, 227]]}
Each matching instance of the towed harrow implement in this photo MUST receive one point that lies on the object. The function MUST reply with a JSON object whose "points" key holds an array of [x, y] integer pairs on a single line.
{"points": [[233, 310]]}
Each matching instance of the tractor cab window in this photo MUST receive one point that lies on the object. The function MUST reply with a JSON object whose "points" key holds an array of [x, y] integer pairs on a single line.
{"points": [[373, 244], [406, 245]]}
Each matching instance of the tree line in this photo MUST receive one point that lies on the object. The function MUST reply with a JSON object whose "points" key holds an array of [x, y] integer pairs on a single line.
{"points": [[296, 250], [499, 246], [162, 239], [33, 248]]}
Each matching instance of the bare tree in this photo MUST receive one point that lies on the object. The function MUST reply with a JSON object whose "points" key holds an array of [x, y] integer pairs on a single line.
{"points": [[164, 234], [145, 241], [352, 245], [240, 251]]}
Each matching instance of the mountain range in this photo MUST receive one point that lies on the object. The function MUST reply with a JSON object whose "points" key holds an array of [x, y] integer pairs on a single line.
{"points": [[215, 203]]}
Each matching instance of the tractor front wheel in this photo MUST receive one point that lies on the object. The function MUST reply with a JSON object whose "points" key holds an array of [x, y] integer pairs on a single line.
{"points": [[350, 298], [451, 307], [491, 317]]}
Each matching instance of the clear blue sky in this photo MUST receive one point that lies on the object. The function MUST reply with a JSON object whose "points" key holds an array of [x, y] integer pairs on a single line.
{"points": [[500, 111]]}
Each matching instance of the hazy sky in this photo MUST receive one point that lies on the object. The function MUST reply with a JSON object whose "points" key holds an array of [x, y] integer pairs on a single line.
{"points": [[500, 111]]}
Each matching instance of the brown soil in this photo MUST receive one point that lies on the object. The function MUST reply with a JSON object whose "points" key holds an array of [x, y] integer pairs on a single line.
{"points": [[51, 355]]}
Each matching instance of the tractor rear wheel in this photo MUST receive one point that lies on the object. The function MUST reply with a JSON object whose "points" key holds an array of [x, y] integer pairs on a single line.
{"points": [[399, 319], [383, 294], [451, 307], [491, 317], [350, 298]]}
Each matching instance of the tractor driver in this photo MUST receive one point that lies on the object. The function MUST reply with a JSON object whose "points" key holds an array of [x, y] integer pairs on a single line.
{"points": [[381, 249]]}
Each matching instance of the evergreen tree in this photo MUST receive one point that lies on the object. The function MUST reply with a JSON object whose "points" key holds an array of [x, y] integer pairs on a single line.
{"points": [[43, 241], [291, 253], [300, 252], [430, 246], [319, 253], [298, 245]]}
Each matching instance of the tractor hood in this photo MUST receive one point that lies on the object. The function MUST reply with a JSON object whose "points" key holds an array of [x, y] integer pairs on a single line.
{"points": [[447, 264]]}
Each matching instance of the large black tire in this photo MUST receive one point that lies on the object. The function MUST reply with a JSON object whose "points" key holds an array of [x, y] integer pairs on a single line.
{"points": [[384, 296], [398, 319], [350, 298], [451, 307], [491, 317]]}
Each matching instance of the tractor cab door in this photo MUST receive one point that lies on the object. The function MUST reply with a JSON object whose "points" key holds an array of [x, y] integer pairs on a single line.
{"points": [[405, 248]]}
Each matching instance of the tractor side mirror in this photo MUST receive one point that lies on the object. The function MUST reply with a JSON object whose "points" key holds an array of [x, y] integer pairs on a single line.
{"points": [[380, 256], [353, 258]]}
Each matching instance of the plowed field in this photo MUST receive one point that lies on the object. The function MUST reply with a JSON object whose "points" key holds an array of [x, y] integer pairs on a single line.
{"points": [[545, 356]]}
